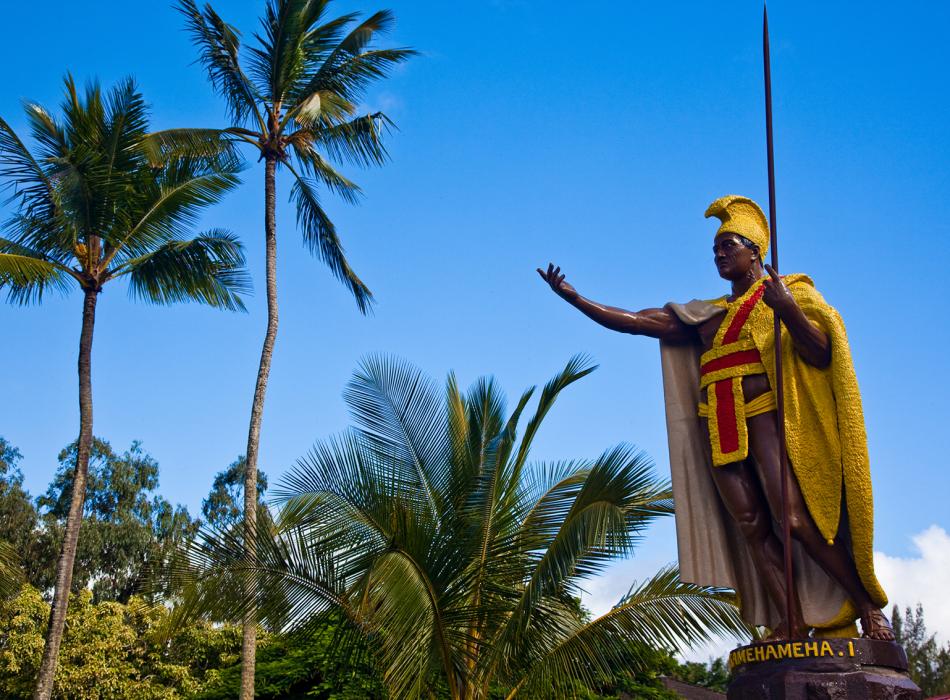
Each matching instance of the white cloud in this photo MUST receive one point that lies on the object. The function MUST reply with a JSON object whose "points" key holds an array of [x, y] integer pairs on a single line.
{"points": [[921, 579]]}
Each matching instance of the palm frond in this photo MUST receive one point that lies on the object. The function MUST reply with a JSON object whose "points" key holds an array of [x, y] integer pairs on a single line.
{"points": [[662, 612], [341, 493], [398, 412], [124, 124], [361, 35], [160, 147], [320, 236], [29, 184], [280, 61], [485, 406], [669, 613], [54, 236], [319, 109], [84, 115], [219, 45], [26, 276], [587, 519], [577, 367], [489, 511], [490, 508], [350, 68], [295, 582], [548, 492], [169, 205], [358, 141], [620, 496], [400, 607], [208, 268], [76, 151], [316, 167], [622, 482], [459, 474]]}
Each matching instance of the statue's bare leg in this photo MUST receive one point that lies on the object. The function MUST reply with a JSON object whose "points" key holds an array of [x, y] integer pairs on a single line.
{"points": [[835, 559], [738, 486]]}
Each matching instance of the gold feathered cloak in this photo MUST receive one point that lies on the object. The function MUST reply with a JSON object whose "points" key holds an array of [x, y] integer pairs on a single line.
{"points": [[827, 448]]}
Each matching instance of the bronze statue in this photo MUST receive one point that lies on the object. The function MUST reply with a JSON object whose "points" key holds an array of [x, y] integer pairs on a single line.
{"points": [[718, 362]]}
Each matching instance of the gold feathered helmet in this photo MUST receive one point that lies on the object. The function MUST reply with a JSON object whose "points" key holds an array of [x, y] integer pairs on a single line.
{"points": [[742, 216]]}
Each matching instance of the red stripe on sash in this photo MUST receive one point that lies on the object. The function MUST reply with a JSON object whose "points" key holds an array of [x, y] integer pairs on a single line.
{"points": [[742, 357], [732, 333], [726, 416]]}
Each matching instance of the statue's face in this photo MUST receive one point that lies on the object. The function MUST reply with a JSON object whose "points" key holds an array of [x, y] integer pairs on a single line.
{"points": [[733, 259]]}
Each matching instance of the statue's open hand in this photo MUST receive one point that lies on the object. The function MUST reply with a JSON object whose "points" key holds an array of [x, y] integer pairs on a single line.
{"points": [[777, 294], [555, 279]]}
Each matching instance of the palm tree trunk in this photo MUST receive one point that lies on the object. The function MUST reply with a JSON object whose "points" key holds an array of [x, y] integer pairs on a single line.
{"points": [[249, 641], [67, 557]]}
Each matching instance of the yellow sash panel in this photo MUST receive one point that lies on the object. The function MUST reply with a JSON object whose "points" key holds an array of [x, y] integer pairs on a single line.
{"points": [[733, 355]]}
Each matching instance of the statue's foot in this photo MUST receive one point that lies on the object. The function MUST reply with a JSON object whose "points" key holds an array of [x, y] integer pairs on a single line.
{"points": [[875, 625]]}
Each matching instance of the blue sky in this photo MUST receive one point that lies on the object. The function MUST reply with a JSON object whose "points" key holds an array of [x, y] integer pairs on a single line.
{"points": [[593, 135]]}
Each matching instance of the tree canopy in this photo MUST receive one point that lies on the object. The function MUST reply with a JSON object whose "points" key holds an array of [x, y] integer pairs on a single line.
{"points": [[221, 509], [129, 532]]}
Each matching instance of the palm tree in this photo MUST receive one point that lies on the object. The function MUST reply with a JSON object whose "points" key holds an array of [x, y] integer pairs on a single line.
{"points": [[95, 203], [458, 560], [296, 104]]}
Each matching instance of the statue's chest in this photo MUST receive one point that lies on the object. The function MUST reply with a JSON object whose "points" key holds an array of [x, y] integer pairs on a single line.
{"points": [[728, 331], [707, 330]]}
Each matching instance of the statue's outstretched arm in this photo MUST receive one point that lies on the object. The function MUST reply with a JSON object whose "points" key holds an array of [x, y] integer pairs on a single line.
{"points": [[656, 323]]}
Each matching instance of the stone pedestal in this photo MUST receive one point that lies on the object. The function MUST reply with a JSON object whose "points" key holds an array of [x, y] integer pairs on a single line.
{"points": [[821, 669]]}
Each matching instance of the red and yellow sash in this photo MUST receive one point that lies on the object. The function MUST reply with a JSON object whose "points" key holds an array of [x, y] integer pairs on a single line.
{"points": [[733, 355]]}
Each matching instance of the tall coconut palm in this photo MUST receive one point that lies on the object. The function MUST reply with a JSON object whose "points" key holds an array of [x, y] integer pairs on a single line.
{"points": [[94, 204], [459, 560], [293, 97]]}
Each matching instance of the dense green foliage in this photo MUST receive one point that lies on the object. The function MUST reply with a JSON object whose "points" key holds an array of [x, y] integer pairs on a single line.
{"points": [[114, 645], [118, 651], [129, 532], [456, 560], [110, 650], [713, 675], [306, 665], [928, 661]]}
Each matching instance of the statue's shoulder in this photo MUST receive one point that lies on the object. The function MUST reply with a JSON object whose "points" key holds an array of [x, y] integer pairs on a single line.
{"points": [[719, 302], [697, 311], [798, 279], [803, 289]]}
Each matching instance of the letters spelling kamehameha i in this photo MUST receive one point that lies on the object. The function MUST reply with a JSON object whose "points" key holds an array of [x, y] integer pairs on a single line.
{"points": [[750, 486], [770, 651]]}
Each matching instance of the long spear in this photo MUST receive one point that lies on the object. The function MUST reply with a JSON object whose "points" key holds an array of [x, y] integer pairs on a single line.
{"points": [[779, 385]]}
